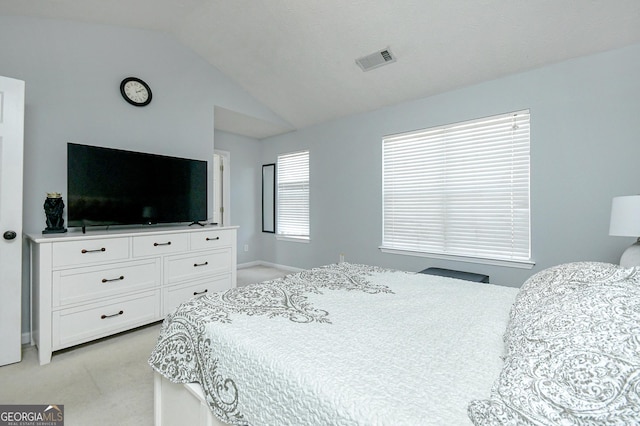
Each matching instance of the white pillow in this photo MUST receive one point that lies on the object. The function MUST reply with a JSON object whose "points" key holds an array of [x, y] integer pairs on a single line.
{"points": [[573, 350]]}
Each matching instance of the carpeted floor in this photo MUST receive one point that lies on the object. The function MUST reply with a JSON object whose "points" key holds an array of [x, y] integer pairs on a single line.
{"points": [[105, 382], [256, 274]]}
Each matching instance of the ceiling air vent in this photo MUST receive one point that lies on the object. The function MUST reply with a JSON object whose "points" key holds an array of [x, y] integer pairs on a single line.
{"points": [[376, 60]]}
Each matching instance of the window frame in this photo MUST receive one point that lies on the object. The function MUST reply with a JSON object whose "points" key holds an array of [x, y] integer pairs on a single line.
{"points": [[444, 135]]}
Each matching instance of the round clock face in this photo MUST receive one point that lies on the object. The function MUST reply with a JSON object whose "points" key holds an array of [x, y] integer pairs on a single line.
{"points": [[135, 91]]}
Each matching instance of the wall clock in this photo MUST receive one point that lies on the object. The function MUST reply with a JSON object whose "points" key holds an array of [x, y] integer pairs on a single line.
{"points": [[135, 91]]}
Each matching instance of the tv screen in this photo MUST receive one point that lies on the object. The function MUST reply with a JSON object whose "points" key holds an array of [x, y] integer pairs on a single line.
{"points": [[115, 187]]}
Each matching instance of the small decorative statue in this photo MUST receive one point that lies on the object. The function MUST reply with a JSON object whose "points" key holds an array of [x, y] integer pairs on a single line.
{"points": [[53, 206]]}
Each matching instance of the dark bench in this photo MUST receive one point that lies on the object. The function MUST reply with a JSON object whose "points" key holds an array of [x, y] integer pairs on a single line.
{"points": [[468, 276]]}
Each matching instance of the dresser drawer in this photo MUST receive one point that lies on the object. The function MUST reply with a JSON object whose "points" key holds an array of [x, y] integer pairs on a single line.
{"points": [[151, 245], [94, 282], [176, 294], [76, 325], [212, 239], [78, 253], [192, 266]]}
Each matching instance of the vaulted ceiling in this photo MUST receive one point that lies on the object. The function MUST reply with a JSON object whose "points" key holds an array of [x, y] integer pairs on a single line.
{"points": [[298, 56]]}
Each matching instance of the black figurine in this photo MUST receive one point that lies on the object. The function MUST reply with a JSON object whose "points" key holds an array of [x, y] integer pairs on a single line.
{"points": [[53, 207]]}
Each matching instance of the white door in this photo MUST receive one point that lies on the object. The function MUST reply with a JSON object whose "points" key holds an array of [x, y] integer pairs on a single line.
{"points": [[11, 152]]}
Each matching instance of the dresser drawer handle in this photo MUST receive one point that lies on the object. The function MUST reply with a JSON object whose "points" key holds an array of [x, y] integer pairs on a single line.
{"points": [[93, 251], [111, 316], [168, 243], [120, 278], [213, 239], [195, 265], [195, 293]]}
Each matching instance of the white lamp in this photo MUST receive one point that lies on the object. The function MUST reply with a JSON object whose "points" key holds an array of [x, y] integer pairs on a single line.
{"points": [[625, 222]]}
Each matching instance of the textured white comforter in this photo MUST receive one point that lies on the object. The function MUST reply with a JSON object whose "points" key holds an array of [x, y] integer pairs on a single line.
{"points": [[342, 345]]}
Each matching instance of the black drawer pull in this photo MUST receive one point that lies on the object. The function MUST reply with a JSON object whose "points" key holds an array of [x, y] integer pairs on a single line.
{"points": [[93, 251], [195, 293], [168, 243], [195, 265], [111, 316], [213, 239], [120, 278]]}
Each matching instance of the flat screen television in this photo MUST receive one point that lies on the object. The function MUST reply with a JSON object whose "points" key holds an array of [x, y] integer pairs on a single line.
{"points": [[108, 186]]}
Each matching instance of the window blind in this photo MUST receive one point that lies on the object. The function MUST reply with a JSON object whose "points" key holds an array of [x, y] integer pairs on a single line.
{"points": [[460, 189], [293, 195]]}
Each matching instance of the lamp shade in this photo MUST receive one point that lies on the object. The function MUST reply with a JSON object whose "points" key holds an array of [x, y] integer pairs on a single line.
{"points": [[625, 216]]}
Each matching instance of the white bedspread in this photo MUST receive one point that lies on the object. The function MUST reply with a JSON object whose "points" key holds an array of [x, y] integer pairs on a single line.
{"points": [[342, 345]]}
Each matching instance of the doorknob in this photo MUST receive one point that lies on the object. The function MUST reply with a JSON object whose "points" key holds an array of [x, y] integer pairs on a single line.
{"points": [[9, 235]]}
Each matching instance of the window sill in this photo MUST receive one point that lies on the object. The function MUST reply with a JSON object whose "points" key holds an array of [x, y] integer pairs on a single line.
{"points": [[521, 264], [292, 239]]}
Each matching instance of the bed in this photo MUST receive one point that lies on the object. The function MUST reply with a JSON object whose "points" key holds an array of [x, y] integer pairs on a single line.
{"points": [[350, 344]]}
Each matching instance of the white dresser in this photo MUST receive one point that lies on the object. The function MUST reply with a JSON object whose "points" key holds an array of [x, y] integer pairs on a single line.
{"points": [[87, 286]]}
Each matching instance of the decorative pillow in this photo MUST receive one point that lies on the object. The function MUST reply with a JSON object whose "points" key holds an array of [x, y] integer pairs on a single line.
{"points": [[554, 282], [573, 351], [562, 279]]}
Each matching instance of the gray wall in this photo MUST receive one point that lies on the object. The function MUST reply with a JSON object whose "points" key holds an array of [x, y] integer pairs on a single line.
{"points": [[584, 150], [245, 193], [585, 144], [73, 72]]}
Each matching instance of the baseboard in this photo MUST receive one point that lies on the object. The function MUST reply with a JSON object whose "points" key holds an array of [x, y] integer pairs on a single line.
{"points": [[269, 264], [249, 264], [26, 338]]}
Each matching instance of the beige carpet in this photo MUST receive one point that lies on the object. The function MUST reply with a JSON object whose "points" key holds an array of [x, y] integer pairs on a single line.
{"points": [[256, 274], [105, 382]]}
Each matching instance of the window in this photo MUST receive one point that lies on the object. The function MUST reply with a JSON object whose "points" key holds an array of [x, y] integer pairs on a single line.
{"points": [[292, 180], [460, 191]]}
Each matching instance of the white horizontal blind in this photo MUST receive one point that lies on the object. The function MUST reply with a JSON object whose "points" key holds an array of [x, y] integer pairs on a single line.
{"points": [[293, 195], [460, 189]]}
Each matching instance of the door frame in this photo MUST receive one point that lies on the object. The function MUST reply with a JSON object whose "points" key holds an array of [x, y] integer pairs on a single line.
{"points": [[225, 156]]}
